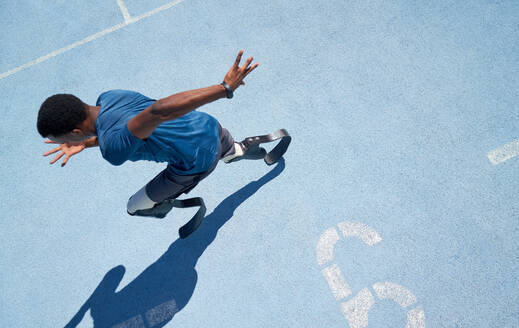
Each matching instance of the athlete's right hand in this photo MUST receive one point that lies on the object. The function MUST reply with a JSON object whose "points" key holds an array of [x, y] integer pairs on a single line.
{"points": [[67, 149]]}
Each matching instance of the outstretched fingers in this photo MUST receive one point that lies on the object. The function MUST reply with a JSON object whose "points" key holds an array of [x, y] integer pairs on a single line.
{"points": [[52, 151], [234, 77], [246, 65], [65, 161], [50, 141], [56, 158], [250, 69], [238, 59]]}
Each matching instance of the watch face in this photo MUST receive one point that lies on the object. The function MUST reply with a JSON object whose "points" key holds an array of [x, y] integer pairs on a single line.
{"points": [[227, 90]]}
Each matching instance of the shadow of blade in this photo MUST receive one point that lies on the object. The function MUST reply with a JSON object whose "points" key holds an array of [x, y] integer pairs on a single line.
{"points": [[166, 286]]}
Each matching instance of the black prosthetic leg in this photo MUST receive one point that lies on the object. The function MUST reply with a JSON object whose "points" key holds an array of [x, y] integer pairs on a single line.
{"points": [[251, 146], [160, 210]]}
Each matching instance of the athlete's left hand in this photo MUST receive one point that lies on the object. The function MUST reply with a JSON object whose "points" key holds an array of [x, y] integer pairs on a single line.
{"points": [[67, 149], [236, 74]]}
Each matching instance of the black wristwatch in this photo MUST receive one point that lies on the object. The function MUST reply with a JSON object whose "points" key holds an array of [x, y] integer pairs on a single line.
{"points": [[228, 89]]}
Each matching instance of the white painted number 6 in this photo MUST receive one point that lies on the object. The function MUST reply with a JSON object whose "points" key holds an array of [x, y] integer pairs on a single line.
{"points": [[356, 308]]}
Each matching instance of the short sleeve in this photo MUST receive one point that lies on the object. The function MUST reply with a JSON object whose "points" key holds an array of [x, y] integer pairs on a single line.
{"points": [[117, 145]]}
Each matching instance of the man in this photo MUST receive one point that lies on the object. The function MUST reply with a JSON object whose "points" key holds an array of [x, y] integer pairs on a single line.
{"points": [[127, 125]]}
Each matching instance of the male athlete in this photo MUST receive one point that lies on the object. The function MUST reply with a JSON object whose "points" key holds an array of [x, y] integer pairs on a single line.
{"points": [[127, 125]]}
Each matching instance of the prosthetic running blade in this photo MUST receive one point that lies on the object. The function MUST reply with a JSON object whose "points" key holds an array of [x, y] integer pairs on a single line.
{"points": [[160, 210], [254, 151]]}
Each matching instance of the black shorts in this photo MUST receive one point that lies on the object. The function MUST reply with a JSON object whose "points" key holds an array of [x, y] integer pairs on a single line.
{"points": [[170, 185]]}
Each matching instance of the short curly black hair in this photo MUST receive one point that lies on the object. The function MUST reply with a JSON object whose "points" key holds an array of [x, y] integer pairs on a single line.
{"points": [[60, 114]]}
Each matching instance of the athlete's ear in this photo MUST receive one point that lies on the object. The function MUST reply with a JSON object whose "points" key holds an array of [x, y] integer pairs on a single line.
{"points": [[76, 131]]}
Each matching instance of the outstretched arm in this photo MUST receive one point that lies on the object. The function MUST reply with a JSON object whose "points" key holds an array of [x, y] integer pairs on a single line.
{"points": [[179, 104], [166, 109]]}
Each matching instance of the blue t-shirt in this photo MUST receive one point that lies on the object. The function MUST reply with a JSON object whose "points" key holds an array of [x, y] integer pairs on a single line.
{"points": [[189, 144]]}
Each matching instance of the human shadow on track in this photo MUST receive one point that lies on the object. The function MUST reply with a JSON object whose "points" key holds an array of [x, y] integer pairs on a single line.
{"points": [[166, 286]]}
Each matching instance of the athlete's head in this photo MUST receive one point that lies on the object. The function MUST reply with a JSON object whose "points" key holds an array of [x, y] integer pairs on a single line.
{"points": [[60, 118]]}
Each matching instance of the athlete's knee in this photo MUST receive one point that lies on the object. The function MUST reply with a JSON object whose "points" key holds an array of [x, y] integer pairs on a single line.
{"points": [[139, 201]]}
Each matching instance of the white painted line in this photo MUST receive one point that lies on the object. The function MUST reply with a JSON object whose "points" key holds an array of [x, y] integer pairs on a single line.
{"points": [[416, 318], [136, 321], [88, 39], [325, 246], [336, 281], [397, 293], [356, 310], [124, 11], [154, 11], [161, 313], [360, 230], [62, 50], [504, 153]]}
